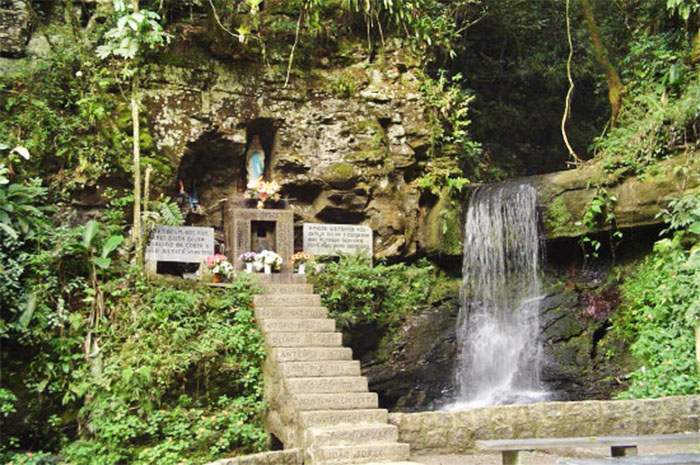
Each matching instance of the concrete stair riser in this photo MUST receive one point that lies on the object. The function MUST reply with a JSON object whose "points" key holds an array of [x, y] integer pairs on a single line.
{"points": [[348, 435], [287, 288], [340, 455], [319, 369], [317, 399], [327, 418], [298, 325], [339, 384], [262, 313], [275, 340], [308, 354], [287, 300], [343, 401]]}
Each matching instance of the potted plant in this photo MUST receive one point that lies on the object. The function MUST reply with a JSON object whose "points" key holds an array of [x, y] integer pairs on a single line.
{"points": [[219, 267], [263, 191], [268, 260], [301, 258], [249, 259]]}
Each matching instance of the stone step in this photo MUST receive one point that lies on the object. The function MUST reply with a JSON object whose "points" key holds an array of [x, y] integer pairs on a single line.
{"points": [[298, 325], [303, 339], [348, 435], [262, 279], [334, 418], [287, 300], [319, 369], [335, 384], [307, 354], [262, 313], [274, 288], [336, 401], [354, 454]]}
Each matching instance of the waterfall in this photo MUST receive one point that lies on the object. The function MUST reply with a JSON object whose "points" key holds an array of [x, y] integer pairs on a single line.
{"points": [[498, 359]]}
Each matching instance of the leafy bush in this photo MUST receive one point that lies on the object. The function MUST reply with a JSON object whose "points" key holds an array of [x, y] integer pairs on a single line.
{"points": [[661, 305], [356, 292]]}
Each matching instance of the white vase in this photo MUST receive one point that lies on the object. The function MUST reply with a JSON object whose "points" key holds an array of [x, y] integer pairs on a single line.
{"points": [[249, 267], [302, 268], [268, 269]]}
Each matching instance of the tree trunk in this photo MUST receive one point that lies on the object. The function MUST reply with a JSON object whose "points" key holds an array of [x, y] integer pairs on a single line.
{"points": [[137, 236], [615, 87]]}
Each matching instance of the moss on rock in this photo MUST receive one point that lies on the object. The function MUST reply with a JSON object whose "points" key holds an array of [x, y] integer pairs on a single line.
{"points": [[341, 175]]}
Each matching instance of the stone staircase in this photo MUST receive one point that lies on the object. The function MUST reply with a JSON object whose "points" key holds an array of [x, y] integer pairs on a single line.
{"points": [[317, 399]]}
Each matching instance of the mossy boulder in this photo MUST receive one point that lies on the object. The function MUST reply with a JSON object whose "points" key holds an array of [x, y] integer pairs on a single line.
{"points": [[564, 197], [341, 175]]}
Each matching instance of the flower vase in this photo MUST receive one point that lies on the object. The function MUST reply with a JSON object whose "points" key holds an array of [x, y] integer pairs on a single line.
{"points": [[302, 268], [217, 278], [249, 267], [268, 269]]}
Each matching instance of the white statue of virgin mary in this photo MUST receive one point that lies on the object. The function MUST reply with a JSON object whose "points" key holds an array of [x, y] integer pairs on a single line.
{"points": [[255, 160]]}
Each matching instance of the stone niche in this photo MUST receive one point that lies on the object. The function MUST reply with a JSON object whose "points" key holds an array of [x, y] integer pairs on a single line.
{"points": [[254, 229], [214, 165]]}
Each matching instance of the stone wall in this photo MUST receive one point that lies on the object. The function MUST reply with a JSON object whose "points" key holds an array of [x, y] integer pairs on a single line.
{"points": [[452, 432], [280, 457]]}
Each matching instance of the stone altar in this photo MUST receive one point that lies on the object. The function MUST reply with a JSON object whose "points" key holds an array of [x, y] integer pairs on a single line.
{"points": [[251, 229]]}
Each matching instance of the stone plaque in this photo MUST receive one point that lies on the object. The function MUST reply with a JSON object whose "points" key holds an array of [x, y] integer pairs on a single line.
{"points": [[336, 239], [188, 244]]}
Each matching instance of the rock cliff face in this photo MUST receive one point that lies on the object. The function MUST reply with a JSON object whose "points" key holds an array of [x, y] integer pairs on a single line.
{"points": [[564, 196], [14, 27], [346, 141]]}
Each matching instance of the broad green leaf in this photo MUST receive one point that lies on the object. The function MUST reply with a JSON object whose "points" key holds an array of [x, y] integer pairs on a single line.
{"points": [[695, 228], [28, 312], [102, 262], [90, 232], [112, 243]]}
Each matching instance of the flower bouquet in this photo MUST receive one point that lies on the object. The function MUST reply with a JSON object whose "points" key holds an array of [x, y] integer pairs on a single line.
{"points": [[219, 266], [249, 259], [262, 191], [268, 260], [301, 258]]}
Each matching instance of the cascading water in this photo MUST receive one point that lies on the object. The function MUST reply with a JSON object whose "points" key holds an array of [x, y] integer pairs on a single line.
{"points": [[498, 320]]}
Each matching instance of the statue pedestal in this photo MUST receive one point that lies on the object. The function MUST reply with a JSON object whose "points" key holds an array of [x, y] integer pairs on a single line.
{"points": [[249, 229]]}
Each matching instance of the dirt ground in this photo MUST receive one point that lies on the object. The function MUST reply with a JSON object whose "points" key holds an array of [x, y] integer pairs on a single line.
{"points": [[547, 457]]}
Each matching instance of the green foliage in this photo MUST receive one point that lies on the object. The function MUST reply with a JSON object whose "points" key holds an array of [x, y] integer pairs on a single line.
{"points": [[600, 213], [21, 212], [661, 113], [357, 293], [661, 305], [180, 376], [62, 111], [134, 31], [182, 379], [163, 212]]}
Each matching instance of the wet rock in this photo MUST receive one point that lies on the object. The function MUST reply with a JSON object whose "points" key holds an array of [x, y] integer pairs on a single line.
{"points": [[413, 370]]}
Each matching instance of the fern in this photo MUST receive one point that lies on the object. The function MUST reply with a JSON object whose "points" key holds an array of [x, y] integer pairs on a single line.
{"points": [[163, 212]]}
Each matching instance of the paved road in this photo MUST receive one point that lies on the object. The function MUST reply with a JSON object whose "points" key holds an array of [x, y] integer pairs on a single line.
{"points": [[546, 457]]}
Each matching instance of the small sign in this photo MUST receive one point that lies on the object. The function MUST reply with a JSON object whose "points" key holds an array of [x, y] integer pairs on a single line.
{"points": [[336, 239], [188, 244]]}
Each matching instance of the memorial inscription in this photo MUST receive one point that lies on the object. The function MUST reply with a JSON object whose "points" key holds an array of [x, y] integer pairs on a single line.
{"points": [[336, 239], [188, 244]]}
